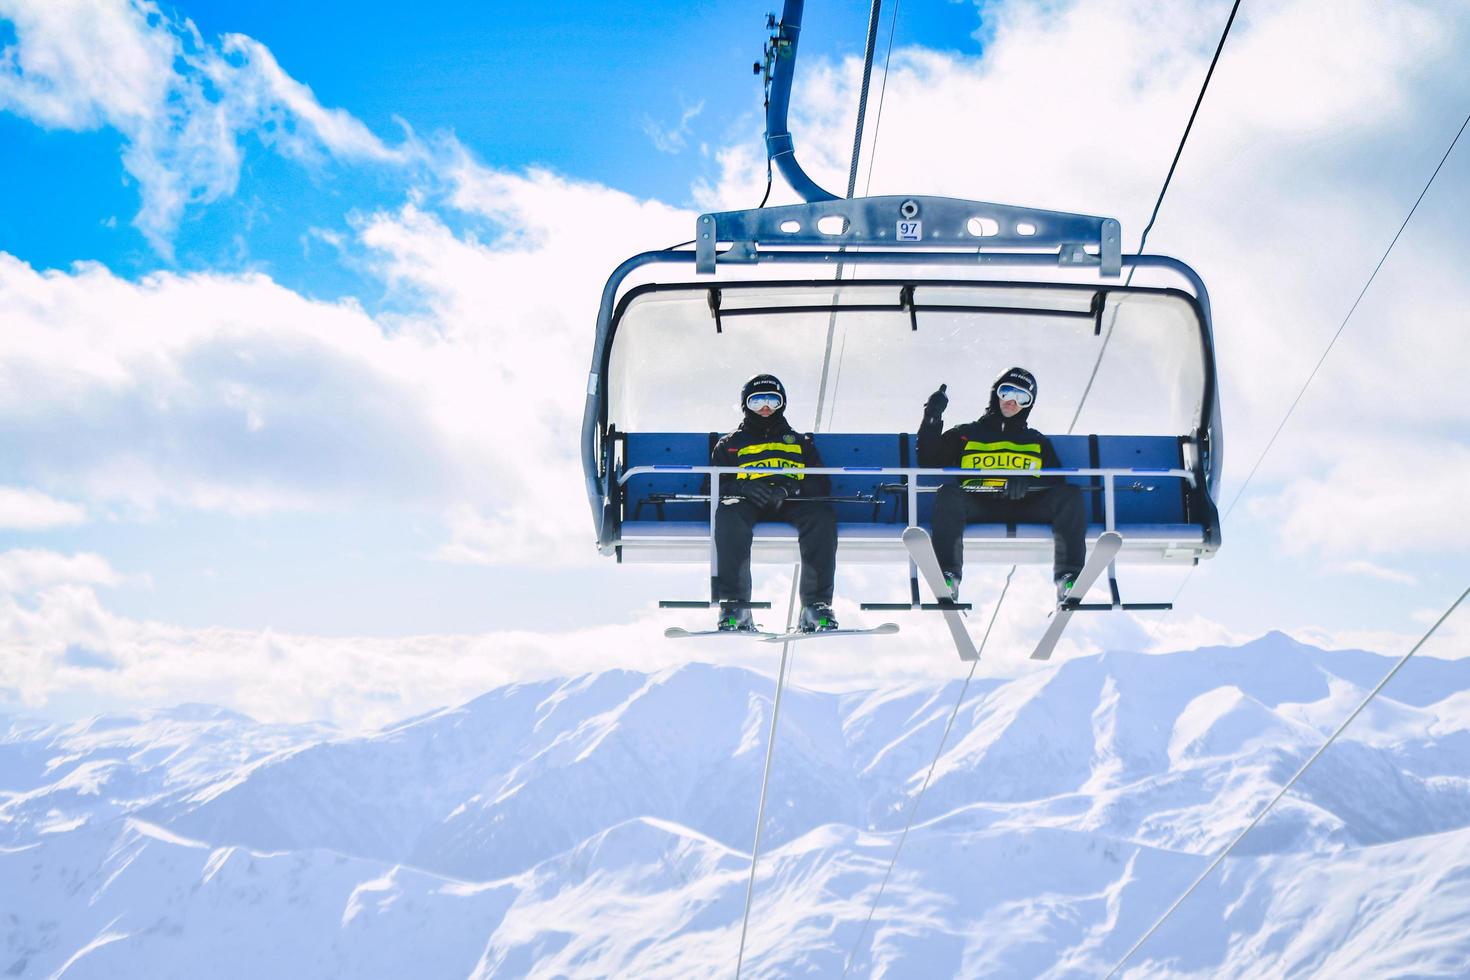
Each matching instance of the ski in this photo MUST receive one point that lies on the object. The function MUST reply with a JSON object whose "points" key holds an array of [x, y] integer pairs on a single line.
{"points": [[883, 630], [917, 541], [1102, 555], [680, 633]]}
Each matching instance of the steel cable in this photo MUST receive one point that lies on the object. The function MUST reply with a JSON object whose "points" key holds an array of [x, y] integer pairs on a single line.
{"points": [[1159, 203], [1289, 784], [857, 144], [1270, 443], [914, 806], [765, 781], [817, 425], [882, 92]]}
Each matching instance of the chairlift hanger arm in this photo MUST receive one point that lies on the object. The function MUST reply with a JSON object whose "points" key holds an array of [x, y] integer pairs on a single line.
{"points": [[780, 64], [867, 221]]}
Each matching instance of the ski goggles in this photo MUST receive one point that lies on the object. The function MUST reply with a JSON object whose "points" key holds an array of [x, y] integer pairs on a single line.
{"points": [[1015, 393], [764, 399]]}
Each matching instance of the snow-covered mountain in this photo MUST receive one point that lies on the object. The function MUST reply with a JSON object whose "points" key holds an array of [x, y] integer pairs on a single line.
{"points": [[601, 826]]}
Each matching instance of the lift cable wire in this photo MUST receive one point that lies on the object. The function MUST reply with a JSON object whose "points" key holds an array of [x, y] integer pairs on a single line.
{"points": [[1361, 293], [1173, 165], [1289, 784], [765, 782], [862, 109], [852, 170], [1081, 401], [1143, 240], [1236, 500], [914, 806], [1189, 125], [868, 184], [1318, 366], [882, 91], [782, 672]]}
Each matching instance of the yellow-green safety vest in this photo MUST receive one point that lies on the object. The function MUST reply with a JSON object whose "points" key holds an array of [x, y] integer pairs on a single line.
{"points": [[787, 455], [998, 456]]}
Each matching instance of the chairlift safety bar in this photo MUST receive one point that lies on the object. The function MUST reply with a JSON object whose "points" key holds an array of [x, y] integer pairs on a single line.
{"points": [[1109, 475]]}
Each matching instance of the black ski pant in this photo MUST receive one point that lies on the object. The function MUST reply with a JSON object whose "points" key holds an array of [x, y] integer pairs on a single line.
{"points": [[816, 533], [1060, 505]]}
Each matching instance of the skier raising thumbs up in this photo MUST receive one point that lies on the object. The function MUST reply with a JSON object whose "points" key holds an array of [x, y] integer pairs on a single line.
{"points": [[1001, 440]]}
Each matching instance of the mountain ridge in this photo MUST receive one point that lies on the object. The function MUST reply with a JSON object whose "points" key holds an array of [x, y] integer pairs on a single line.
{"points": [[601, 825]]}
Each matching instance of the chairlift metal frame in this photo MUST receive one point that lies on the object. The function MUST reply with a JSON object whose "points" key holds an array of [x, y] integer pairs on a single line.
{"points": [[893, 231], [1055, 238]]}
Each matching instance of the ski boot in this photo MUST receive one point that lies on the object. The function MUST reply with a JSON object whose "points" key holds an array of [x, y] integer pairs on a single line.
{"points": [[952, 582], [738, 620], [817, 618], [1064, 587]]}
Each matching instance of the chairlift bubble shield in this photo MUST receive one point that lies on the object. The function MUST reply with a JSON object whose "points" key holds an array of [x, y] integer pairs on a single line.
{"points": [[670, 369]]}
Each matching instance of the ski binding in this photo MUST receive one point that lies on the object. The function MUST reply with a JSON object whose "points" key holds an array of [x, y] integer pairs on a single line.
{"points": [[1103, 553], [921, 548]]}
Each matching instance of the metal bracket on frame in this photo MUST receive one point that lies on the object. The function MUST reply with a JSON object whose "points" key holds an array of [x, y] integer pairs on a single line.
{"points": [[1117, 599], [898, 222]]}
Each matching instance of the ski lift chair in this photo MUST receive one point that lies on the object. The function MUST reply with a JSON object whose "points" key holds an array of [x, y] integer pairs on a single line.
{"points": [[946, 291]]}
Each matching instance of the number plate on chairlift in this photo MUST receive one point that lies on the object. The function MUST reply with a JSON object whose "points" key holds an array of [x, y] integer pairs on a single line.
{"points": [[911, 231]]}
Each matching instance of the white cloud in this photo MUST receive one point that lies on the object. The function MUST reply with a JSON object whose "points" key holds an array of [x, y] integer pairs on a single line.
{"points": [[55, 632], [1380, 495], [1368, 569], [24, 509], [517, 315], [79, 64], [1309, 150], [1176, 632], [1450, 642], [673, 139], [232, 392], [53, 641], [217, 392], [24, 571], [265, 100], [181, 103]]}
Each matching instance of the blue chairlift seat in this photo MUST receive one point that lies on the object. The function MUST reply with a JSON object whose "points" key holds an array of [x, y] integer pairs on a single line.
{"points": [[663, 516]]}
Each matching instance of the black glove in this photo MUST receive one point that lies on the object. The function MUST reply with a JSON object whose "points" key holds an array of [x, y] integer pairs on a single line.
{"points": [[935, 406], [1016, 486], [767, 493]]}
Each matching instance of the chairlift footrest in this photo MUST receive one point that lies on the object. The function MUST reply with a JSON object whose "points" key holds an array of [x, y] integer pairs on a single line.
{"points": [[706, 604], [1128, 606], [911, 607]]}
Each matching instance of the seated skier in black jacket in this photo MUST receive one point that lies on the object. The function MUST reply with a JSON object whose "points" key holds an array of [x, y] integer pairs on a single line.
{"points": [[1001, 440], [765, 439]]}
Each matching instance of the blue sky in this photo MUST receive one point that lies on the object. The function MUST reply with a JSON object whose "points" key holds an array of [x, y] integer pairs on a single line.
{"points": [[287, 285], [570, 86]]}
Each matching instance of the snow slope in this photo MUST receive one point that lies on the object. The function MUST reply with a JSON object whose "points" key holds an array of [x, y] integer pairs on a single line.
{"points": [[601, 825]]}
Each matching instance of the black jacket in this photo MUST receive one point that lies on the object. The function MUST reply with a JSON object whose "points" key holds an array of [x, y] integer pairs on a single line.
{"points": [[990, 442], [770, 442]]}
